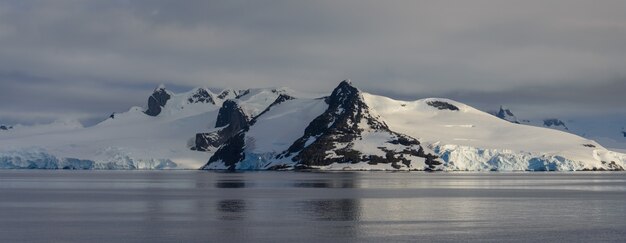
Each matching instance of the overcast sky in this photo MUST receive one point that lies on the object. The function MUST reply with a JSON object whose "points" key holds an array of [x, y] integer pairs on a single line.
{"points": [[86, 59]]}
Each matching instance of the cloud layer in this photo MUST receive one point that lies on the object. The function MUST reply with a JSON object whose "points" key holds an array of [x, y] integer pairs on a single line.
{"points": [[85, 59]]}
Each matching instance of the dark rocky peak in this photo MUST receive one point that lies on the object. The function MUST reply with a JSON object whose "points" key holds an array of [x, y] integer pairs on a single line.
{"points": [[347, 105], [553, 122], [279, 91], [231, 114], [506, 114], [157, 100], [282, 90], [232, 94], [5, 127], [201, 95], [343, 94], [442, 105], [624, 132], [226, 93], [346, 109], [230, 120], [342, 125], [230, 153]]}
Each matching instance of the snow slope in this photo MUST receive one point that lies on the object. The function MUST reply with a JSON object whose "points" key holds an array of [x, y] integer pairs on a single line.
{"points": [[129, 140], [608, 131], [469, 139]]}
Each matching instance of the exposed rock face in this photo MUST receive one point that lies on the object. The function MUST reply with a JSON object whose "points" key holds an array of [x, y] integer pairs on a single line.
{"points": [[231, 114], [5, 127], [157, 100], [554, 123], [231, 153], [201, 96], [441, 105], [506, 114], [231, 119], [336, 135], [614, 166], [224, 94]]}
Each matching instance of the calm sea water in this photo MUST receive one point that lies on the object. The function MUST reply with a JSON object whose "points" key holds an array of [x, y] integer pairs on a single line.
{"points": [[197, 206]]}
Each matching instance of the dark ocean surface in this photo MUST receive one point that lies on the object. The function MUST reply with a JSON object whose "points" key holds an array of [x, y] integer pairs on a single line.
{"points": [[201, 206]]}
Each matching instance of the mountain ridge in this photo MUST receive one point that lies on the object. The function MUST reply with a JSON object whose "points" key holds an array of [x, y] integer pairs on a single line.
{"points": [[281, 129]]}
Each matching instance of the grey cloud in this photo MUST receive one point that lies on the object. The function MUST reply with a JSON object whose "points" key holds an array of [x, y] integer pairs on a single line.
{"points": [[517, 52], [555, 100]]}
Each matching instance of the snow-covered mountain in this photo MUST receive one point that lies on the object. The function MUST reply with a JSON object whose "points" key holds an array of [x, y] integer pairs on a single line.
{"points": [[335, 132], [278, 128]]}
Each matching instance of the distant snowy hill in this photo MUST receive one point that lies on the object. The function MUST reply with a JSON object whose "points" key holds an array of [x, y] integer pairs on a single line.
{"points": [[611, 136], [506, 114], [281, 129]]}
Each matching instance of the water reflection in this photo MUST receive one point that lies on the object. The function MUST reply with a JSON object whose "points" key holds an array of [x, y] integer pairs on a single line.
{"points": [[231, 209], [331, 209], [334, 207], [316, 207], [333, 180], [325, 184], [230, 184]]}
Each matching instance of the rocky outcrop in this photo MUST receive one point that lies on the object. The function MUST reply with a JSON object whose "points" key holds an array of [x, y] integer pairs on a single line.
{"points": [[230, 119], [442, 105], [231, 114], [337, 135], [553, 122], [506, 114], [201, 95], [231, 153], [232, 94], [5, 127], [157, 100]]}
